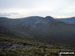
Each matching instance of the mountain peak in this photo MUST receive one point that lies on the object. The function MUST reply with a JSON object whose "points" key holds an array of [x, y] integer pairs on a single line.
{"points": [[73, 18], [34, 17], [4, 19], [49, 18]]}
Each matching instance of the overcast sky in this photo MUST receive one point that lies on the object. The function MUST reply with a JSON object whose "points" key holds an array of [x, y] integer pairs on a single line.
{"points": [[25, 8]]}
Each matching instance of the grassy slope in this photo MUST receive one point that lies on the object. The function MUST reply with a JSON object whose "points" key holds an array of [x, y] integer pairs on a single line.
{"points": [[31, 52]]}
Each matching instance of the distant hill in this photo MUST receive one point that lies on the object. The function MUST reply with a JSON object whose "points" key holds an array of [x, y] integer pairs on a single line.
{"points": [[38, 28], [68, 20]]}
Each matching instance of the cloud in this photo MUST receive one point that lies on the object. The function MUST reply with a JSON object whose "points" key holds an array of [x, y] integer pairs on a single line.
{"points": [[4, 15], [24, 8]]}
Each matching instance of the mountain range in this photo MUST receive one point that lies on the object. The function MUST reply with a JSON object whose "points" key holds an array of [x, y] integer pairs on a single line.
{"points": [[70, 20], [38, 28]]}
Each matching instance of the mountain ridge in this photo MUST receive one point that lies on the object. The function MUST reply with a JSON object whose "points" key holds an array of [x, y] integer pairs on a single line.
{"points": [[70, 20], [45, 29]]}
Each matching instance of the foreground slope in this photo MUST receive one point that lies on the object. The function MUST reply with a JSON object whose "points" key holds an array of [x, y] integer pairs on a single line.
{"points": [[13, 46]]}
